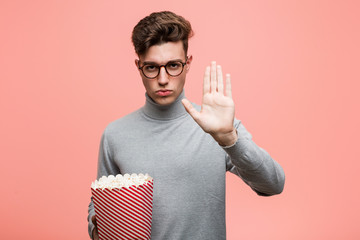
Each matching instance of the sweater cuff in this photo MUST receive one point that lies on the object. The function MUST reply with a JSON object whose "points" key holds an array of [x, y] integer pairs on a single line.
{"points": [[229, 146], [226, 147]]}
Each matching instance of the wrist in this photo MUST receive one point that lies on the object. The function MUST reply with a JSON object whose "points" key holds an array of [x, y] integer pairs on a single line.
{"points": [[226, 139]]}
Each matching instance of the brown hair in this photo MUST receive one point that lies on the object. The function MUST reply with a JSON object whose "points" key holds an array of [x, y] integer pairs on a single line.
{"points": [[160, 27]]}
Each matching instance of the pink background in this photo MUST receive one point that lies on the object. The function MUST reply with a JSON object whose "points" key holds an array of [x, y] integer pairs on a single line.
{"points": [[67, 70]]}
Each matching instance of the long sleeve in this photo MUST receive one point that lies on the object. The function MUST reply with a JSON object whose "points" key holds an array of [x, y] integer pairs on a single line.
{"points": [[254, 165], [105, 167]]}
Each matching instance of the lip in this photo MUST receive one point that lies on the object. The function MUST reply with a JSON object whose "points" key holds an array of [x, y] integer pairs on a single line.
{"points": [[163, 92]]}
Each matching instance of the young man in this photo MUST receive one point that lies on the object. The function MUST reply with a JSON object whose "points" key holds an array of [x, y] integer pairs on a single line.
{"points": [[186, 148]]}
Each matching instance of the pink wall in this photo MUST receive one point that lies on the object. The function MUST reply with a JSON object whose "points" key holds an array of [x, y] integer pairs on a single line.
{"points": [[66, 70]]}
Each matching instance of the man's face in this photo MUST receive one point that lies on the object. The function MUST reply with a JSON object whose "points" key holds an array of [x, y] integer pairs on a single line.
{"points": [[164, 89]]}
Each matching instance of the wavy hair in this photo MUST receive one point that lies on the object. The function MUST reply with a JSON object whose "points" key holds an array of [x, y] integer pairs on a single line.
{"points": [[158, 28]]}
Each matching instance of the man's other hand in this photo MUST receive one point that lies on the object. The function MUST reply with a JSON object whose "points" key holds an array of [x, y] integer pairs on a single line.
{"points": [[95, 231]]}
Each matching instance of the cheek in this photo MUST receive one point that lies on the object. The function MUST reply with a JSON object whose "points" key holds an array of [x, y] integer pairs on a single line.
{"points": [[149, 85], [145, 82], [182, 80]]}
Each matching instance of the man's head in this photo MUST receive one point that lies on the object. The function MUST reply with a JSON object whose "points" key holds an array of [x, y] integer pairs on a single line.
{"points": [[162, 39]]}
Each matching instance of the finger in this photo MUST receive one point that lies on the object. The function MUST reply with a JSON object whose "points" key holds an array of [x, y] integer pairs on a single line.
{"points": [[228, 86], [206, 84], [190, 109], [93, 219], [95, 234], [213, 77], [220, 83]]}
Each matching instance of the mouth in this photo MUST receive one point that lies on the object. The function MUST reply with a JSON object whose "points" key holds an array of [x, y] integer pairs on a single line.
{"points": [[163, 92]]}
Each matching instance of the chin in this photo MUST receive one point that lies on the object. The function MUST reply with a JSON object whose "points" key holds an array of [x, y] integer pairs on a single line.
{"points": [[165, 101]]}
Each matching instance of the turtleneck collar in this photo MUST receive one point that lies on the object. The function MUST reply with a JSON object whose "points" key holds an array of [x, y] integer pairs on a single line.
{"points": [[164, 112]]}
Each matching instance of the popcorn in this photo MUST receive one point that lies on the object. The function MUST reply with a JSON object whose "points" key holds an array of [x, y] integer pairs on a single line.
{"points": [[123, 206], [120, 181]]}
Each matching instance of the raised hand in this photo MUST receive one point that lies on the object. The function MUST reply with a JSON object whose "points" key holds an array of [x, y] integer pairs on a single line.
{"points": [[217, 110]]}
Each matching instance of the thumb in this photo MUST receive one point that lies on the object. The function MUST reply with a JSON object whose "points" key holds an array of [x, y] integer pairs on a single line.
{"points": [[190, 109]]}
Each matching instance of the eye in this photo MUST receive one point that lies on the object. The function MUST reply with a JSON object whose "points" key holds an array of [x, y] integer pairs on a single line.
{"points": [[150, 68], [174, 65]]}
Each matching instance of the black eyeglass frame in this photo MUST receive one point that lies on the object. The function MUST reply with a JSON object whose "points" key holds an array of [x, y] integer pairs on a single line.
{"points": [[160, 66]]}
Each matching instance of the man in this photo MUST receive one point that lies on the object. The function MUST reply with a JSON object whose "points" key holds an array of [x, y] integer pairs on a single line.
{"points": [[185, 148]]}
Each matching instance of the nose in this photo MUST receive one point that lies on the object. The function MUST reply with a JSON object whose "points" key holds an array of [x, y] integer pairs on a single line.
{"points": [[163, 77]]}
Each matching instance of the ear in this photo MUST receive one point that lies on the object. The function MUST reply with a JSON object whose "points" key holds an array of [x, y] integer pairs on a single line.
{"points": [[137, 63], [188, 62]]}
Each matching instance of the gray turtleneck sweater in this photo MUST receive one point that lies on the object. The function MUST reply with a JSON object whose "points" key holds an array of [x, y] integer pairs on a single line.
{"points": [[188, 167]]}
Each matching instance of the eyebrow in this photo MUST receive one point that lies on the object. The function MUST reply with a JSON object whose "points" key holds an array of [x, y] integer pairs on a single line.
{"points": [[155, 63]]}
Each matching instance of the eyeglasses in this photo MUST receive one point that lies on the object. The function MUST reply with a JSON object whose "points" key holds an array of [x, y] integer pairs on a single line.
{"points": [[152, 70]]}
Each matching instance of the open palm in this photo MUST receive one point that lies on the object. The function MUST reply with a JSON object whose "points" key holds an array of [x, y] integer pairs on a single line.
{"points": [[217, 110]]}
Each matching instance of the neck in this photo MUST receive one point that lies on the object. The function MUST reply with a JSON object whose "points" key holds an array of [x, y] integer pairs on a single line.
{"points": [[164, 112]]}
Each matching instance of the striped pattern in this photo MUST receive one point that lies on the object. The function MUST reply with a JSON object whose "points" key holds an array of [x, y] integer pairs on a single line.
{"points": [[124, 213]]}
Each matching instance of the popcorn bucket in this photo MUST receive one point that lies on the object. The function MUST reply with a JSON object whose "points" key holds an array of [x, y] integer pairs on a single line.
{"points": [[124, 213]]}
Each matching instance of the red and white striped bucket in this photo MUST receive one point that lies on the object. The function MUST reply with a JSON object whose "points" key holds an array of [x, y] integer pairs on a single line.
{"points": [[124, 213]]}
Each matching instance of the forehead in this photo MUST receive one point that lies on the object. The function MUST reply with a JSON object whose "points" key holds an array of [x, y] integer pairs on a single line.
{"points": [[162, 53]]}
